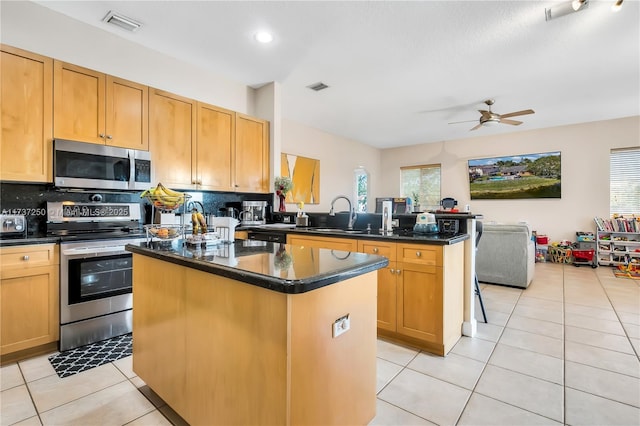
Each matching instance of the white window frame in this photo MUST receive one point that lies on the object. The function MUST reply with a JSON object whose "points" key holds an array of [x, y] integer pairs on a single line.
{"points": [[428, 189]]}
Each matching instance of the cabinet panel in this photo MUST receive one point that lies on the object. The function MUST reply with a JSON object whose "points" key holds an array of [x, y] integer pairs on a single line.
{"points": [[387, 293], [343, 244], [215, 148], [127, 114], [26, 101], [29, 302], [420, 302], [252, 154], [20, 257], [172, 138], [79, 103], [420, 254], [379, 248]]}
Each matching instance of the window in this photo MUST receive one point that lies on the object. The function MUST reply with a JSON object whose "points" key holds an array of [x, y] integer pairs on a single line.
{"points": [[422, 184], [362, 189], [624, 181]]}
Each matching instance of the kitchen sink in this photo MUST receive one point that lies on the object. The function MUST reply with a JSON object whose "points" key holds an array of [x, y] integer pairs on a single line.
{"points": [[337, 230]]}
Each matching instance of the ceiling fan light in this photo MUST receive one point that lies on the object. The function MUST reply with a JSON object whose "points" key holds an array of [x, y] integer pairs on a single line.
{"points": [[577, 4], [617, 6], [492, 122]]}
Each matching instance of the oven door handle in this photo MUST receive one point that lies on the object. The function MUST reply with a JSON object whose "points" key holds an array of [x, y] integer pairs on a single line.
{"points": [[92, 250]]}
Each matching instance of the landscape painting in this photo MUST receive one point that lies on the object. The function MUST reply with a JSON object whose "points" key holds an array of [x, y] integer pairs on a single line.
{"points": [[518, 176]]}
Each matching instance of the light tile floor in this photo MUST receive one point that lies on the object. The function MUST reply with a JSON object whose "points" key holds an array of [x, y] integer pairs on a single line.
{"points": [[563, 351]]}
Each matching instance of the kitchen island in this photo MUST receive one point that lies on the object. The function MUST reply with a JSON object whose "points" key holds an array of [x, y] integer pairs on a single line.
{"points": [[257, 333]]}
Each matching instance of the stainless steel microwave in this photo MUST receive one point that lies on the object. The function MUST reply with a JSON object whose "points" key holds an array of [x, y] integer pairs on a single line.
{"points": [[92, 166]]}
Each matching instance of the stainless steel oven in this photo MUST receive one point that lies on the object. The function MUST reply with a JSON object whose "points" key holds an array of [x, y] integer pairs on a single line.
{"points": [[95, 290], [95, 269]]}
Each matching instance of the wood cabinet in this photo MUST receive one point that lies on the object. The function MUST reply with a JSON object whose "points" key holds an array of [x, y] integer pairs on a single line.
{"points": [[26, 101], [220, 351], [172, 132], [344, 244], [200, 146], [29, 297], [420, 293], [252, 154], [215, 148], [90, 106], [387, 282]]}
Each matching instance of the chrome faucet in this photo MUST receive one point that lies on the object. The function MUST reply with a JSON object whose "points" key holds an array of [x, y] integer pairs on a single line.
{"points": [[352, 212]]}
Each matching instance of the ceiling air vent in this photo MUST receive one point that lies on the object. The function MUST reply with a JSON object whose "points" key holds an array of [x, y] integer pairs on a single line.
{"points": [[318, 86], [122, 21]]}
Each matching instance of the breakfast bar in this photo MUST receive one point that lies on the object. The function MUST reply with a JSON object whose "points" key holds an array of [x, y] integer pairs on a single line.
{"points": [[254, 332]]}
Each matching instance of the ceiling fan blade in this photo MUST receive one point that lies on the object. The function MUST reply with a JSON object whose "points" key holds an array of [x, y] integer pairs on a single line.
{"points": [[512, 122], [476, 127], [485, 114], [458, 122], [514, 114]]}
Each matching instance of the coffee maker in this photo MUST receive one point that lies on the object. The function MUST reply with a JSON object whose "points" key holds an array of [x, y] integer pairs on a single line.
{"points": [[253, 213]]}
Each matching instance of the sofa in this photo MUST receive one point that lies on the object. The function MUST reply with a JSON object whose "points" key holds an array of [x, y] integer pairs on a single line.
{"points": [[506, 255]]}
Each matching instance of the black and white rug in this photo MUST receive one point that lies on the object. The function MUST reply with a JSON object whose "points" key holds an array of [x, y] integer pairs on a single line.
{"points": [[83, 358]]}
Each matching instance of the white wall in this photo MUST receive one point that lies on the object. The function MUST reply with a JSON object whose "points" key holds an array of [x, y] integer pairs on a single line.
{"points": [[35, 28], [339, 157], [585, 172]]}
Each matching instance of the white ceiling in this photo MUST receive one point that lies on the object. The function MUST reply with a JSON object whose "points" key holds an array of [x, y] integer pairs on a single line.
{"points": [[400, 71]]}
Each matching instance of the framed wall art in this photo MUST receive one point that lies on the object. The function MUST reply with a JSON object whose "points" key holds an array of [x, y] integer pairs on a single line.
{"points": [[305, 174], [517, 176]]}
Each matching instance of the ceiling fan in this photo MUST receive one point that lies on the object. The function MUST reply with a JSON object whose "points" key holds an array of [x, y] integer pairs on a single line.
{"points": [[489, 118]]}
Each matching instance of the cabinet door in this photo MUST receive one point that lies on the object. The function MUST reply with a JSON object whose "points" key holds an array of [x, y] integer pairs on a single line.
{"points": [[78, 103], [387, 294], [29, 308], [26, 100], [127, 121], [419, 300], [172, 138], [214, 148], [252, 154]]}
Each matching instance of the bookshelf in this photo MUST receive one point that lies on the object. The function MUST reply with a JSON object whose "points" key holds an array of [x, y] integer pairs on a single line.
{"points": [[618, 241]]}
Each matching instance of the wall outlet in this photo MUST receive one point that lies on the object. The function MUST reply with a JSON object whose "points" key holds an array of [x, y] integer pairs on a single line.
{"points": [[341, 325]]}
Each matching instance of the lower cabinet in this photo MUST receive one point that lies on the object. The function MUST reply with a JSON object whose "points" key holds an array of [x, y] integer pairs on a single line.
{"points": [[343, 244], [29, 297], [420, 293]]}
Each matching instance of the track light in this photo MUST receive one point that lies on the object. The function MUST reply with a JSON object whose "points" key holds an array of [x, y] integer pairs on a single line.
{"points": [[565, 8], [616, 6]]}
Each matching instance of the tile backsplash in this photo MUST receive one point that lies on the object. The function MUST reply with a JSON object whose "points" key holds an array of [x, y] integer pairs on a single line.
{"points": [[31, 200]]}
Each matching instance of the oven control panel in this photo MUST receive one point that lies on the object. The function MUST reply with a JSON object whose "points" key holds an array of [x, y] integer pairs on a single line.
{"points": [[13, 224]]}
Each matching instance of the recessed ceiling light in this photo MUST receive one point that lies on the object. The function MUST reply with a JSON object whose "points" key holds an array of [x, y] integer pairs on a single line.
{"points": [[264, 37]]}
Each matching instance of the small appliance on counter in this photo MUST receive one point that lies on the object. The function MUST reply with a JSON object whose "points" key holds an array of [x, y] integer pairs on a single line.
{"points": [[387, 214], [253, 213], [448, 205], [426, 224], [302, 219], [13, 226]]}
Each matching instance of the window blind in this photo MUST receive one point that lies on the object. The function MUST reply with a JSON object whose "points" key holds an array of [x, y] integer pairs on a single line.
{"points": [[624, 181], [423, 181]]}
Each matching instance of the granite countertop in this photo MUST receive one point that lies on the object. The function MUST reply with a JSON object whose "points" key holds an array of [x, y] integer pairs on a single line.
{"points": [[436, 239], [274, 266], [8, 242]]}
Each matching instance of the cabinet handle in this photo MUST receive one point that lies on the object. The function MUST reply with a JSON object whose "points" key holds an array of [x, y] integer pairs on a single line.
{"points": [[101, 135], [25, 257], [393, 271], [375, 249], [398, 271], [109, 137], [418, 254]]}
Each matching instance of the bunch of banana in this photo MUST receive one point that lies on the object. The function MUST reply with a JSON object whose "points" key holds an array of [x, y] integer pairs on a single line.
{"points": [[163, 197], [199, 224]]}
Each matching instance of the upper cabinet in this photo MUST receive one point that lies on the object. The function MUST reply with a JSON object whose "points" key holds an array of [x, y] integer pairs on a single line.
{"points": [[252, 154], [90, 106], [26, 104], [172, 131], [215, 148]]}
